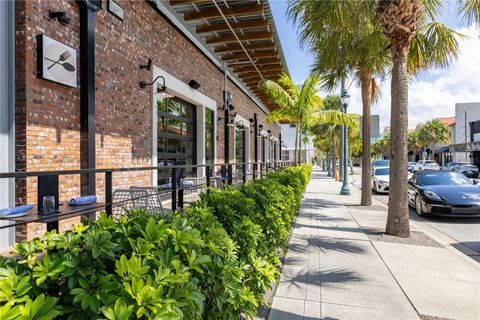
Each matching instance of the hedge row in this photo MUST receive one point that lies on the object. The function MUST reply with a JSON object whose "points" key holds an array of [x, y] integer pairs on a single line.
{"points": [[215, 260]]}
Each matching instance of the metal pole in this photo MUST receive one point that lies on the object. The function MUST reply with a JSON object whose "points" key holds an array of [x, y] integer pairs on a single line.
{"points": [[345, 187], [108, 193], [174, 189]]}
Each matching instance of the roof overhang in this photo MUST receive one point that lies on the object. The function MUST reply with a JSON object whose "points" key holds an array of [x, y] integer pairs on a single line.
{"points": [[253, 53]]}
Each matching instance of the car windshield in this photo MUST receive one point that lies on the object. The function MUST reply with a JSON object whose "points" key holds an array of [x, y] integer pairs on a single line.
{"points": [[430, 162], [442, 178], [382, 172], [381, 163]]}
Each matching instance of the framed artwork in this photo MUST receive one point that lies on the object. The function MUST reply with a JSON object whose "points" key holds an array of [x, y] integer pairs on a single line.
{"points": [[56, 61]]}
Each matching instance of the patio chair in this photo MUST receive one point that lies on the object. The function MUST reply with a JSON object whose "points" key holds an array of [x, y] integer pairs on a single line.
{"points": [[124, 199], [153, 199], [194, 184]]}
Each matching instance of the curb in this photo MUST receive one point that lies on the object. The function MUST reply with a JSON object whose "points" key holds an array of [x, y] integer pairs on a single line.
{"points": [[447, 242]]}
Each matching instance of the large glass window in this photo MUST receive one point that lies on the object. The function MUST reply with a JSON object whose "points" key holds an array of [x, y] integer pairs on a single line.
{"points": [[176, 134], [240, 147], [264, 149], [209, 136]]}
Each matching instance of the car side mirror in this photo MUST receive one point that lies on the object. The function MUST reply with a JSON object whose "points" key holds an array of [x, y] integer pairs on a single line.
{"points": [[410, 182], [475, 181]]}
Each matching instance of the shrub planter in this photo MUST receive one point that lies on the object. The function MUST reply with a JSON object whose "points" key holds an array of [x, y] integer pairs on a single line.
{"points": [[215, 260]]}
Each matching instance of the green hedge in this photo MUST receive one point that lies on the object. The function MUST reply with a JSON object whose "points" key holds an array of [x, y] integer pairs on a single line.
{"points": [[215, 260]]}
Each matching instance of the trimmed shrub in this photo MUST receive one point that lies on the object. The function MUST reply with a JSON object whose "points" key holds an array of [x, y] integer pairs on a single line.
{"points": [[214, 260]]}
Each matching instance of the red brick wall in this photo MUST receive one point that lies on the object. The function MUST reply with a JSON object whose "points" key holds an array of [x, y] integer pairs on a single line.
{"points": [[48, 114]]}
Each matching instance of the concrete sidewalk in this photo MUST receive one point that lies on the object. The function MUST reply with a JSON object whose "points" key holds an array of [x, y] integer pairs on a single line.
{"points": [[334, 271]]}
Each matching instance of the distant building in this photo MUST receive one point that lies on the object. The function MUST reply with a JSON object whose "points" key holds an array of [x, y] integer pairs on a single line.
{"points": [[465, 142], [288, 147], [442, 151]]}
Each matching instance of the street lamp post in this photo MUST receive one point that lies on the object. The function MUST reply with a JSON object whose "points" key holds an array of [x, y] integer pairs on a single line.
{"points": [[345, 99]]}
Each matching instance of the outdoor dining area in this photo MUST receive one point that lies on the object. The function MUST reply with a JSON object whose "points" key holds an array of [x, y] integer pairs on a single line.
{"points": [[177, 191]]}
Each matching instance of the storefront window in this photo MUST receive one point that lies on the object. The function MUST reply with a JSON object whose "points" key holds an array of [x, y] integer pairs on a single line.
{"points": [[209, 136], [240, 147], [176, 134]]}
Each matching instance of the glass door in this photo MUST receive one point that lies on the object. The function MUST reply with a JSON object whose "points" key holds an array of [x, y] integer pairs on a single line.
{"points": [[176, 134], [240, 147]]}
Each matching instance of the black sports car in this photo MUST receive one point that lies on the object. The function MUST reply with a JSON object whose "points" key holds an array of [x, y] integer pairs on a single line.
{"points": [[444, 193]]}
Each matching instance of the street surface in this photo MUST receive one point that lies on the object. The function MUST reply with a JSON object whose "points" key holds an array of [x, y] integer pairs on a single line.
{"points": [[465, 231]]}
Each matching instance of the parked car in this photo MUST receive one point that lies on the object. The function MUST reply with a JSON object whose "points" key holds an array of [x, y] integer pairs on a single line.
{"points": [[467, 168], [425, 165], [443, 193], [380, 163], [410, 166], [381, 179]]}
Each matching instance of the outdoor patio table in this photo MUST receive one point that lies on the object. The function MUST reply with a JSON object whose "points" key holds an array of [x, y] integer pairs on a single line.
{"points": [[65, 211]]}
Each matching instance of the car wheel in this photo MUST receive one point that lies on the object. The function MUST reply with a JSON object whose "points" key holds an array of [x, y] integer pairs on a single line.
{"points": [[419, 206]]}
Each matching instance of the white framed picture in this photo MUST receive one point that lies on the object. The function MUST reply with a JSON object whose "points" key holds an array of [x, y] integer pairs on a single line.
{"points": [[56, 61]]}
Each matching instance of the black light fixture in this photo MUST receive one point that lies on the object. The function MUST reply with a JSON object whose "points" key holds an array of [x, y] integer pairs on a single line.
{"points": [[143, 84], [61, 17], [162, 90], [194, 84], [260, 126], [251, 120], [147, 66]]}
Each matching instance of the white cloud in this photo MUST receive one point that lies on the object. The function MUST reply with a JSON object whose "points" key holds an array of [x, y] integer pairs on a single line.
{"points": [[435, 92]]}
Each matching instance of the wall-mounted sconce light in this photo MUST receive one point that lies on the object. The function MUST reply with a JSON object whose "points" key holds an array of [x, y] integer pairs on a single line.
{"points": [[61, 17], [260, 126], [147, 66], [251, 120], [162, 91], [194, 84]]}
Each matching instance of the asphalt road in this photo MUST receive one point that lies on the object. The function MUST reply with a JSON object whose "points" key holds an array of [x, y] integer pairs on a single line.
{"points": [[466, 231]]}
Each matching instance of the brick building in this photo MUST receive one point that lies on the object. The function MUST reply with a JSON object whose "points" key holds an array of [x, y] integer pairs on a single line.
{"points": [[101, 117]]}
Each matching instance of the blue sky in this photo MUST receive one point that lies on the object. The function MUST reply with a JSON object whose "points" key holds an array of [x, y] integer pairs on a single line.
{"points": [[432, 94]]}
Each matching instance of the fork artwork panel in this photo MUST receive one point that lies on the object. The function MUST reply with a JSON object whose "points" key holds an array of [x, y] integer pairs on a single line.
{"points": [[56, 61]]}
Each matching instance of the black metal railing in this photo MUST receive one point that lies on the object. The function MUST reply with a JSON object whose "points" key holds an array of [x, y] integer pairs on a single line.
{"points": [[48, 184]]}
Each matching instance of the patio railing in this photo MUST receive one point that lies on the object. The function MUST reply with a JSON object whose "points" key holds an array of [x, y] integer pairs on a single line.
{"points": [[48, 184]]}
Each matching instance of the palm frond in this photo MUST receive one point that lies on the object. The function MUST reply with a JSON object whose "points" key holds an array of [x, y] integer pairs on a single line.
{"points": [[469, 11], [434, 45], [333, 117], [276, 93]]}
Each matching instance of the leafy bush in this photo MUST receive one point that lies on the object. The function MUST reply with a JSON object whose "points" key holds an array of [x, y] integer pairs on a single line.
{"points": [[213, 261]]}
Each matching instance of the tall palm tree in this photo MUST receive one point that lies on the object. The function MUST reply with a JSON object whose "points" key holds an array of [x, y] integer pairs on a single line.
{"points": [[331, 134], [435, 44], [300, 107], [434, 132], [345, 43]]}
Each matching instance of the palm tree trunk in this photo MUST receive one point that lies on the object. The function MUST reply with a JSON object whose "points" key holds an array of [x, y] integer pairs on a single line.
{"points": [[296, 145], [366, 84], [334, 156], [300, 145], [433, 151], [397, 221]]}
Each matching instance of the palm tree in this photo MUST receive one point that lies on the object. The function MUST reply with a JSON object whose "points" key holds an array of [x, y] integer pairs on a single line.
{"points": [[330, 132], [414, 142], [345, 43], [434, 132], [300, 107], [402, 20]]}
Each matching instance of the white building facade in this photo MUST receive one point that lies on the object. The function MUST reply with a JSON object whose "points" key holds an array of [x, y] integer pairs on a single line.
{"points": [[288, 145]]}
